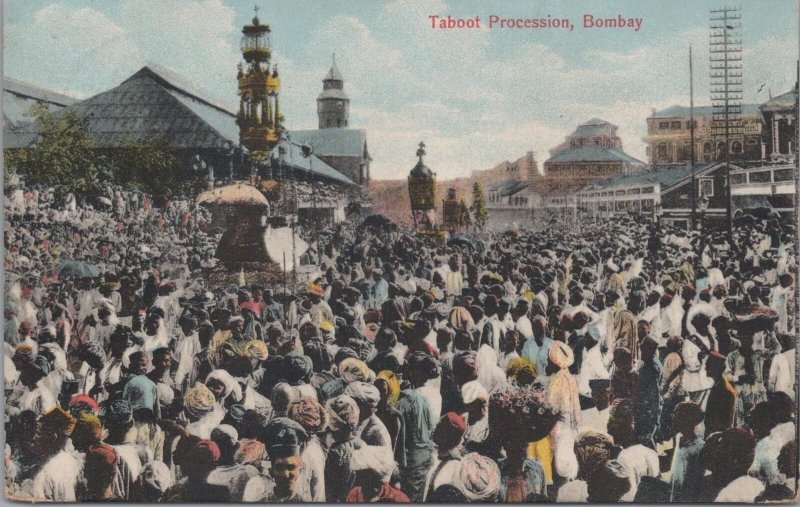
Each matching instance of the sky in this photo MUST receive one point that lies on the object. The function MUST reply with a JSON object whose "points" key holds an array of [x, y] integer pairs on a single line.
{"points": [[476, 97]]}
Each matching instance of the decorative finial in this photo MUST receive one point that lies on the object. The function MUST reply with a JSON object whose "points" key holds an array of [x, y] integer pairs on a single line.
{"points": [[255, 17], [421, 151]]}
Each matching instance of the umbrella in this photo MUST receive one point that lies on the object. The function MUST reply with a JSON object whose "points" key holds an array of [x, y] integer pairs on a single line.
{"points": [[241, 195], [379, 221], [104, 200], [460, 240], [764, 212], [78, 269]]}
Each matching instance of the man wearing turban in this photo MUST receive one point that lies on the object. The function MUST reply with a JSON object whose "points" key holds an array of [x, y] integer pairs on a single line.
{"points": [[448, 436], [343, 420], [313, 417], [370, 429], [100, 469], [479, 478]]}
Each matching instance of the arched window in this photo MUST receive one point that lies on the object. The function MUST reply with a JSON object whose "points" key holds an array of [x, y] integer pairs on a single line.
{"points": [[736, 147], [707, 147]]}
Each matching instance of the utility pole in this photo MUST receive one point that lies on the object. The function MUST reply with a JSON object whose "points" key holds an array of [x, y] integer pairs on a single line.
{"points": [[726, 87], [691, 130]]}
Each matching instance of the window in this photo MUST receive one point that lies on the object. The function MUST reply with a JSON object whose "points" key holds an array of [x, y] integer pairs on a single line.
{"points": [[676, 125], [662, 150], [736, 147], [783, 175], [647, 190], [707, 148], [760, 177], [664, 125], [689, 124], [705, 187], [738, 179]]}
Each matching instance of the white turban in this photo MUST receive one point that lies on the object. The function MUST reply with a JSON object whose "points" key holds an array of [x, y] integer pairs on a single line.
{"points": [[472, 391]]}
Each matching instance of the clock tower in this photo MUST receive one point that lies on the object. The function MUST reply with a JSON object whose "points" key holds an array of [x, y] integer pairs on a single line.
{"points": [[333, 105]]}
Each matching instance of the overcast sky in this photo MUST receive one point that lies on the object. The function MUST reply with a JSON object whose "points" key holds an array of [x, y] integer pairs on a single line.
{"points": [[477, 97]]}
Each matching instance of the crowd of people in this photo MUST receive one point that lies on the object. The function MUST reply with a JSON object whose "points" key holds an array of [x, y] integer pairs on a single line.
{"points": [[615, 361]]}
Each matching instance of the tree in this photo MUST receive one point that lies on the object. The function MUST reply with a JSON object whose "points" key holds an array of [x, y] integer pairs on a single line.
{"points": [[478, 207], [62, 155], [150, 165]]}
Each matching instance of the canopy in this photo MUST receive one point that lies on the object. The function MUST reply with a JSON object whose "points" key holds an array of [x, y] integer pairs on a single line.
{"points": [[242, 195]]}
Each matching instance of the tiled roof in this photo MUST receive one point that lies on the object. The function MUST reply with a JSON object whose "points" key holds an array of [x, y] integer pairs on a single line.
{"points": [[592, 153], [681, 111], [334, 142]]}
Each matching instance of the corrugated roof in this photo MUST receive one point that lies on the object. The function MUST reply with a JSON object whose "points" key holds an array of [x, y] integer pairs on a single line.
{"points": [[294, 158], [664, 175], [592, 154], [680, 111], [333, 142]]}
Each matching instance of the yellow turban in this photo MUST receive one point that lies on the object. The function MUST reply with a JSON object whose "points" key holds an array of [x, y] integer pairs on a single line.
{"points": [[256, 349], [326, 326], [394, 384], [352, 369]]}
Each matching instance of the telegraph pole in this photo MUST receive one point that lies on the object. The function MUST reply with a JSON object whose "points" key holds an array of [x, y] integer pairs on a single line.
{"points": [[726, 87], [691, 130]]}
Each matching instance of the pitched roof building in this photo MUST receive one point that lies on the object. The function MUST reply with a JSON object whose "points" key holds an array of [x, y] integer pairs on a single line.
{"points": [[150, 104]]}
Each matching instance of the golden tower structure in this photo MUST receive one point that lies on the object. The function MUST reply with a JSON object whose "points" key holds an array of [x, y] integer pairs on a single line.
{"points": [[259, 118]]}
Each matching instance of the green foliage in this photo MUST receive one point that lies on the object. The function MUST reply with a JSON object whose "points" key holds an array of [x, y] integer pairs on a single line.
{"points": [[478, 207], [65, 156], [151, 166], [63, 153]]}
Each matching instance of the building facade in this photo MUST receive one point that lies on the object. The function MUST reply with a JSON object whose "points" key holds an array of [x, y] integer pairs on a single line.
{"points": [[592, 153], [765, 186], [780, 132], [669, 136]]}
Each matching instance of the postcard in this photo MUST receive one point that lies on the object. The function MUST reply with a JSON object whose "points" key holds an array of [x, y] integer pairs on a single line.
{"points": [[411, 251]]}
